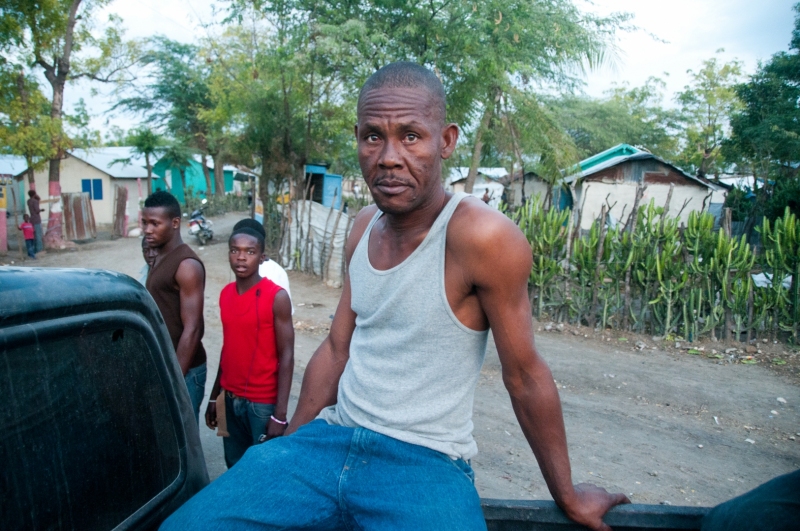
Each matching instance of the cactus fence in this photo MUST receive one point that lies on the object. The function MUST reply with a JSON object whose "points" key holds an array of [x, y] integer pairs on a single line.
{"points": [[656, 276]]}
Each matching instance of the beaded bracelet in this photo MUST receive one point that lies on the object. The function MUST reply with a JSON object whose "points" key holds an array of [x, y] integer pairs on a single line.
{"points": [[284, 422]]}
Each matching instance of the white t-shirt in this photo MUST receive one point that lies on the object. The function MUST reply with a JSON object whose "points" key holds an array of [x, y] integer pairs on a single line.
{"points": [[273, 271]]}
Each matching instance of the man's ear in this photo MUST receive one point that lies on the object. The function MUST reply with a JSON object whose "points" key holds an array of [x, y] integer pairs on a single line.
{"points": [[449, 140], [263, 258], [355, 131], [176, 223]]}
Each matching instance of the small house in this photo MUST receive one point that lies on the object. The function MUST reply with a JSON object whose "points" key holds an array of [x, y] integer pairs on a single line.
{"points": [[172, 178], [488, 182], [97, 171], [612, 177]]}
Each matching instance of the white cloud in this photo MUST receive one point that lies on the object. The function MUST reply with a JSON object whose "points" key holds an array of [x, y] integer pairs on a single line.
{"points": [[693, 30]]}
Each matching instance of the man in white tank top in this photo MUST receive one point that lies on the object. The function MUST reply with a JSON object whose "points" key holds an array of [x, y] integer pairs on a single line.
{"points": [[382, 435]]}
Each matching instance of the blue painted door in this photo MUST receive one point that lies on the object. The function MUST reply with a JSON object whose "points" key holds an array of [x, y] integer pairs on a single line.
{"points": [[332, 187]]}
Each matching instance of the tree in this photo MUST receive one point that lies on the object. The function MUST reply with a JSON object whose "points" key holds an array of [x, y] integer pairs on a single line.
{"points": [[147, 143], [175, 95], [178, 155], [633, 116], [26, 128], [706, 105], [482, 51], [765, 131], [47, 35]]}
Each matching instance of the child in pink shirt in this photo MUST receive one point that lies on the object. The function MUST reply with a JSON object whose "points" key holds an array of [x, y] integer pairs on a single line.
{"points": [[30, 238]]}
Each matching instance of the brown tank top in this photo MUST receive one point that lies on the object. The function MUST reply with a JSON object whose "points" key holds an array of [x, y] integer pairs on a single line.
{"points": [[165, 291]]}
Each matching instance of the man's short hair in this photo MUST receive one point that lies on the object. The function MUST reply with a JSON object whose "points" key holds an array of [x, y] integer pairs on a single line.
{"points": [[252, 228], [31, 193], [405, 74], [165, 200]]}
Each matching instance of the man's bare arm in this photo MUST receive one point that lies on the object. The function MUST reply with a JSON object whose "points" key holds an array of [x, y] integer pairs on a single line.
{"points": [[321, 378], [499, 271], [190, 277], [284, 339]]}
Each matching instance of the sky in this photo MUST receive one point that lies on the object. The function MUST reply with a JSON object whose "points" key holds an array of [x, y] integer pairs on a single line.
{"points": [[673, 36]]}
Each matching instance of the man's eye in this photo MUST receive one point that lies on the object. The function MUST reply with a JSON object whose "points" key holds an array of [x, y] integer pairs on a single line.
{"points": [[251, 252], [411, 137], [372, 138]]}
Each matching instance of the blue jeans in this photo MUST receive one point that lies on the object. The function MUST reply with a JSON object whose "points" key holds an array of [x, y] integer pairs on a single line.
{"points": [[196, 385], [30, 245], [37, 232], [328, 477], [246, 422]]}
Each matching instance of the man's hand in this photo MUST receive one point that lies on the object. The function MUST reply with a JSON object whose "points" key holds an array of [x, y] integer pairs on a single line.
{"points": [[275, 429], [211, 415], [591, 503]]}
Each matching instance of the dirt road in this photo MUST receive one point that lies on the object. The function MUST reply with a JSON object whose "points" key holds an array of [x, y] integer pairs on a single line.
{"points": [[659, 425]]}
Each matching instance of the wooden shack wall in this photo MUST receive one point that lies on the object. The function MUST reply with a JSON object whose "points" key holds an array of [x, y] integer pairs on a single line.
{"points": [[618, 184]]}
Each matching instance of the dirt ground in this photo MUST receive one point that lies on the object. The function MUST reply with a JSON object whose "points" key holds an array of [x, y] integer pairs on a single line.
{"points": [[646, 417]]}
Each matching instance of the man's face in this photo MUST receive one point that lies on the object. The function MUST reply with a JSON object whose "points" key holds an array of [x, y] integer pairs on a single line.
{"points": [[149, 254], [401, 144], [245, 255], [158, 227]]}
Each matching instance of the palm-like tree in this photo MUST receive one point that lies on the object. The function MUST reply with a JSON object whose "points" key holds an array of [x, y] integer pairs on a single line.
{"points": [[147, 143], [178, 154]]}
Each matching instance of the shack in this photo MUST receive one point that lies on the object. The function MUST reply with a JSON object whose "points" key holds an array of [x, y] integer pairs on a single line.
{"points": [[488, 181], [611, 178], [323, 187]]}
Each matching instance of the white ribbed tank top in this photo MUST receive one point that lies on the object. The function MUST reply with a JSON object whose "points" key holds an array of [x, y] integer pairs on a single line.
{"points": [[413, 366]]}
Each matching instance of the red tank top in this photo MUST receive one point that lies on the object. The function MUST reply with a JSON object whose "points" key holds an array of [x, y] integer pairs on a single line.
{"points": [[249, 359]]}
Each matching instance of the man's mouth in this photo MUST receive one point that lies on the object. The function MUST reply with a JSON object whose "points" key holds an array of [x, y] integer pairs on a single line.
{"points": [[391, 187]]}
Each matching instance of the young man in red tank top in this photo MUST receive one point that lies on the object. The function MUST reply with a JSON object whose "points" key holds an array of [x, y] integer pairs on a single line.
{"points": [[257, 360]]}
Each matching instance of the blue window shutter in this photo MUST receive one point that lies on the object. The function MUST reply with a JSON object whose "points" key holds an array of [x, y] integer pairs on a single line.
{"points": [[86, 186], [97, 189]]}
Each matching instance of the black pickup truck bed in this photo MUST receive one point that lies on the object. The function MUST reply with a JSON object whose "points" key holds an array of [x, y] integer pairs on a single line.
{"points": [[98, 429]]}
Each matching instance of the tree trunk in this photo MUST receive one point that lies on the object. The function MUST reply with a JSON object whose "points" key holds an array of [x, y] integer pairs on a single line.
{"points": [[149, 173], [478, 146], [56, 74], [219, 176], [182, 173], [206, 174]]}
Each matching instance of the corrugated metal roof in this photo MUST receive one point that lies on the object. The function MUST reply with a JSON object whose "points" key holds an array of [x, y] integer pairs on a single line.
{"points": [[461, 172], [12, 165], [620, 150], [641, 155], [104, 160]]}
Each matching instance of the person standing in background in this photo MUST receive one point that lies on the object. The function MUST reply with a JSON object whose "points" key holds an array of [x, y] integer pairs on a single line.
{"points": [[269, 268], [27, 232], [36, 219], [257, 360], [149, 254], [176, 282]]}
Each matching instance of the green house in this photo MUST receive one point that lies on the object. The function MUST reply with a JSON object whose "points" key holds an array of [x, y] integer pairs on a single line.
{"points": [[195, 179]]}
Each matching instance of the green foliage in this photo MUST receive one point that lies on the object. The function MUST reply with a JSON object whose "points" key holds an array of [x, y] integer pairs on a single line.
{"points": [[741, 206], [672, 281], [766, 130], [633, 116], [547, 233], [26, 128], [706, 103]]}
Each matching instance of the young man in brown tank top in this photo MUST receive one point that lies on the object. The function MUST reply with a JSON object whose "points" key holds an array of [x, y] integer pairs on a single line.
{"points": [[330, 475], [176, 282]]}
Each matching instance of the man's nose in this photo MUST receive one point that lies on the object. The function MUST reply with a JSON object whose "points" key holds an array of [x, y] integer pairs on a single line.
{"points": [[390, 156]]}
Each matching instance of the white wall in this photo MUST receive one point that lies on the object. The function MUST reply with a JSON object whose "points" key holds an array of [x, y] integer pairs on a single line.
{"points": [[624, 195], [72, 172]]}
